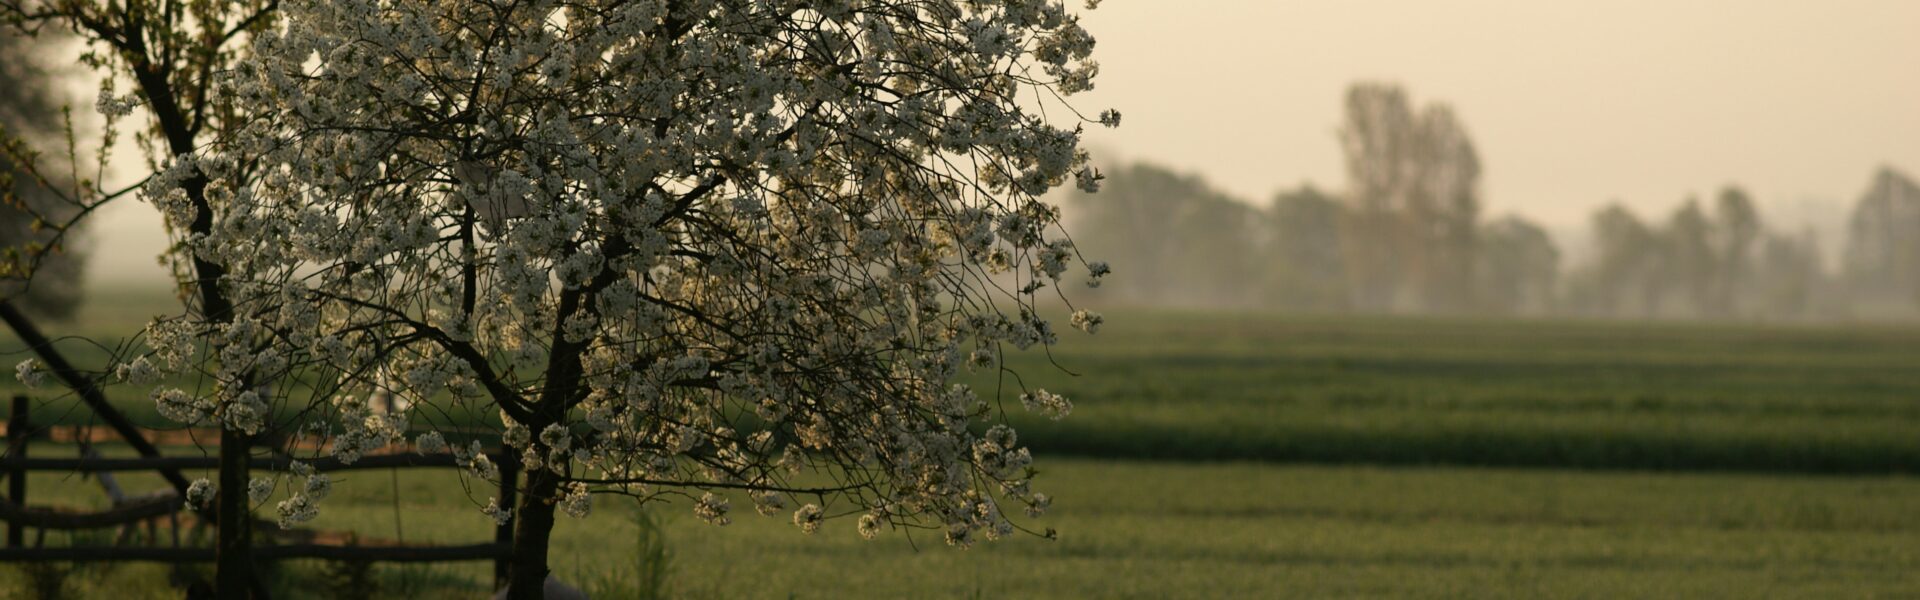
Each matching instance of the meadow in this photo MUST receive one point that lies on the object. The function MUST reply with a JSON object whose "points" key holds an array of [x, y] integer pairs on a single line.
{"points": [[1143, 529], [1558, 394], [1248, 455]]}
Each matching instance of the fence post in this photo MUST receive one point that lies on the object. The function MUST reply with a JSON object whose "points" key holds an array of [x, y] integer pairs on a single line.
{"points": [[503, 534], [18, 429]]}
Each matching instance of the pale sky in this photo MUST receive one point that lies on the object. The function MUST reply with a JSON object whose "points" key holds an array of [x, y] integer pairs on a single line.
{"points": [[1570, 103]]}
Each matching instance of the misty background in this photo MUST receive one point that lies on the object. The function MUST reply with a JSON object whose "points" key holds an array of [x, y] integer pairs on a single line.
{"points": [[1575, 114]]}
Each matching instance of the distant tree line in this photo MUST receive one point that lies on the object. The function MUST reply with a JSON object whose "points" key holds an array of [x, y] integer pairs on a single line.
{"points": [[1719, 262], [1408, 236], [1882, 259]]}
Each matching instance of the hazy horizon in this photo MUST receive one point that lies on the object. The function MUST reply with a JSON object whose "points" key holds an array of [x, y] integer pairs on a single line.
{"points": [[1571, 105]]}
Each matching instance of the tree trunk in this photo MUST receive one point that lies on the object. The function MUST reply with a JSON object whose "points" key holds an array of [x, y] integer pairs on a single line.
{"points": [[532, 530], [233, 560]]}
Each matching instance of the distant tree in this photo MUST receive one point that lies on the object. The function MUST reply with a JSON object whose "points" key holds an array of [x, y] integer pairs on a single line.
{"points": [[1789, 274], [1413, 193], [1519, 267], [1688, 259], [1219, 248], [42, 254], [1882, 260], [1307, 269], [1179, 241], [1378, 140], [1445, 211], [1736, 229], [1627, 268]]}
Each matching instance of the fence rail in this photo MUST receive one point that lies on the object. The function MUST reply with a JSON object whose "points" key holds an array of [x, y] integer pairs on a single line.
{"points": [[19, 516], [485, 551], [276, 463]]}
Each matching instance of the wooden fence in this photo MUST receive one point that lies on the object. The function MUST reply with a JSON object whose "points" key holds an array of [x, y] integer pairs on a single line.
{"points": [[129, 513]]}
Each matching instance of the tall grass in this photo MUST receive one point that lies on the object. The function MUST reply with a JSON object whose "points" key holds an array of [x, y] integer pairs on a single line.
{"points": [[639, 569]]}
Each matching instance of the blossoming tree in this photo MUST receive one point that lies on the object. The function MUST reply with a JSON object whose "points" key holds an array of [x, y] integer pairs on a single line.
{"points": [[690, 247], [687, 247], [169, 52]]}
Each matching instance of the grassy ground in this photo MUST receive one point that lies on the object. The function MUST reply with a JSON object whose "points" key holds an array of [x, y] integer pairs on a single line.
{"points": [[1155, 530], [1663, 460], [1499, 393]]}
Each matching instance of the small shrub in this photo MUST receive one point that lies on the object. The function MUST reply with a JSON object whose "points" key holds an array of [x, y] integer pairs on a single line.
{"points": [[647, 576]]}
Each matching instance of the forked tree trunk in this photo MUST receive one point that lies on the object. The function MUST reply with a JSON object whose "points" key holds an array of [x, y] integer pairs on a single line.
{"points": [[532, 530]]}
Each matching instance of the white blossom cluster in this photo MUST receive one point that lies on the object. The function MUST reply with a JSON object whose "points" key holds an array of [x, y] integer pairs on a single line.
{"points": [[200, 494], [29, 373], [109, 105], [694, 245]]}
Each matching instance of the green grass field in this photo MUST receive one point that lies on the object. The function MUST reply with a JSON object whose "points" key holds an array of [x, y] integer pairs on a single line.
{"points": [[1132, 529], [1217, 455], [1820, 399]]}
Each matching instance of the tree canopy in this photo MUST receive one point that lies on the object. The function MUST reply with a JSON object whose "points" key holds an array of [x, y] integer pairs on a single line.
{"points": [[681, 247]]}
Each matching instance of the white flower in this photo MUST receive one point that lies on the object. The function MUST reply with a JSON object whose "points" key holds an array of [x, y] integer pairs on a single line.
{"points": [[768, 503], [1001, 435], [712, 509], [576, 503], [245, 412], [259, 489], [1087, 321], [296, 509], [516, 435], [556, 438], [1096, 270], [318, 486], [138, 372], [482, 466], [1039, 505], [808, 518], [430, 443], [177, 406], [29, 373], [869, 526], [110, 106], [493, 510], [1054, 406], [201, 492], [1088, 179], [960, 536]]}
